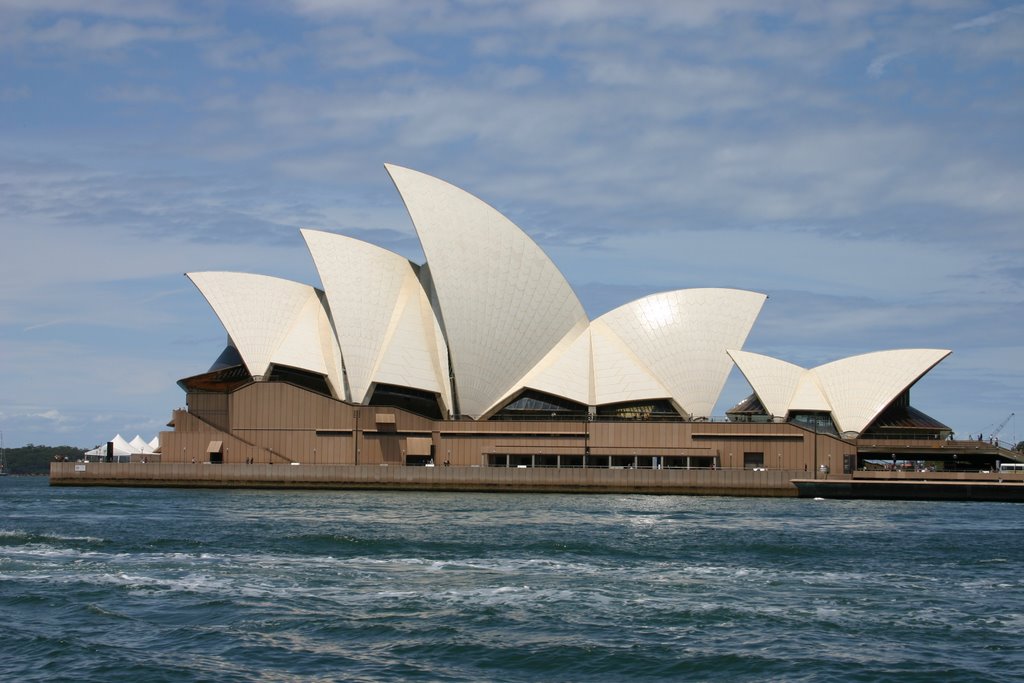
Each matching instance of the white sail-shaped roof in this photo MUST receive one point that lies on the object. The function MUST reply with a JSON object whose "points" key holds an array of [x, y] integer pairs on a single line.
{"points": [[619, 376], [860, 387], [854, 390], [504, 304], [154, 444], [493, 303], [632, 353], [385, 325], [271, 320], [565, 371], [774, 381], [681, 337], [808, 395], [414, 352], [310, 344]]}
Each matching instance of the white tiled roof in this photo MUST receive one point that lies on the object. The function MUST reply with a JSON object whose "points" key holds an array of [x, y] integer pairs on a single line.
{"points": [[681, 338], [490, 300], [383, 320], [271, 320], [854, 390], [620, 376], [775, 381], [504, 303], [566, 371], [860, 387]]}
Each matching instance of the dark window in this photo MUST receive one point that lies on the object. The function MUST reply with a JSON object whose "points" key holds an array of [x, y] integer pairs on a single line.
{"points": [[537, 405], [749, 409], [752, 460], [302, 378], [228, 358], [817, 422], [414, 400], [658, 409]]}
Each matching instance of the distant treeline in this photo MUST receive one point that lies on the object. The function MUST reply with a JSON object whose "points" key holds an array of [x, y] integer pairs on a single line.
{"points": [[32, 459]]}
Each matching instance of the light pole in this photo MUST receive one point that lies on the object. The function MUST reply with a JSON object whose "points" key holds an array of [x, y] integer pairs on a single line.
{"points": [[815, 445], [355, 440], [586, 437]]}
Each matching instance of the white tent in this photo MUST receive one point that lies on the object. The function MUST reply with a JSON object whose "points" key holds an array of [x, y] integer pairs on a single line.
{"points": [[124, 450], [121, 447], [139, 445]]}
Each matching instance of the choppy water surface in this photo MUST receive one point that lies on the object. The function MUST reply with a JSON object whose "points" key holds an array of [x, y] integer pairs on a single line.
{"points": [[182, 585]]}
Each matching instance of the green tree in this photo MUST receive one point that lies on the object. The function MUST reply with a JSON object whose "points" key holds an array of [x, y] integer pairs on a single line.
{"points": [[33, 459]]}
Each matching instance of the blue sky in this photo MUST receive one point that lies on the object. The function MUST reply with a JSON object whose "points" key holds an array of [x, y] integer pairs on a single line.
{"points": [[860, 163]]}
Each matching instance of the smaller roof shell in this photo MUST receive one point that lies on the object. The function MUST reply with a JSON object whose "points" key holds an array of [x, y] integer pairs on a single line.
{"points": [[860, 387], [384, 323], [273, 321], [680, 337], [854, 390]]}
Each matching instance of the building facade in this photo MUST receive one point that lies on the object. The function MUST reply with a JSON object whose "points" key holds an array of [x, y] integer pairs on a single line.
{"points": [[484, 357]]}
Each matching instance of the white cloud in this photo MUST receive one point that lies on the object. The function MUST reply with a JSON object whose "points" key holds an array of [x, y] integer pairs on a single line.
{"points": [[128, 9], [248, 51], [104, 35], [986, 20], [877, 67], [350, 47], [139, 94]]}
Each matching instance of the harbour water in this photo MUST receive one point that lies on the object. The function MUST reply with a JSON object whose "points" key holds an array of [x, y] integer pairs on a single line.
{"points": [[100, 584]]}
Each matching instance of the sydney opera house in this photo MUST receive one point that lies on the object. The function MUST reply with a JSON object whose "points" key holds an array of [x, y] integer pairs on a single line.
{"points": [[484, 357]]}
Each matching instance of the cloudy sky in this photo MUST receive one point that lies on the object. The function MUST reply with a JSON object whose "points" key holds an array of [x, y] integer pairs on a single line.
{"points": [[862, 163]]}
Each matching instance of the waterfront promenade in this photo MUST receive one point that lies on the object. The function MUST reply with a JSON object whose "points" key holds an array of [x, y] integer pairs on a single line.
{"points": [[721, 482], [988, 486]]}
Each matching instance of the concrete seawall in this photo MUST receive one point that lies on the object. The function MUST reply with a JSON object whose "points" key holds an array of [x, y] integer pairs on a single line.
{"points": [[910, 489], [772, 483]]}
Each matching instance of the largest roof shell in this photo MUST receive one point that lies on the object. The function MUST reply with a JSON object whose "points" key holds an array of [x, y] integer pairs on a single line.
{"points": [[504, 305]]}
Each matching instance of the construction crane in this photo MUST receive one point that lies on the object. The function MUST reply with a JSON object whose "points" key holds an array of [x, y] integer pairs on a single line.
{"points": [[999, 428]]}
